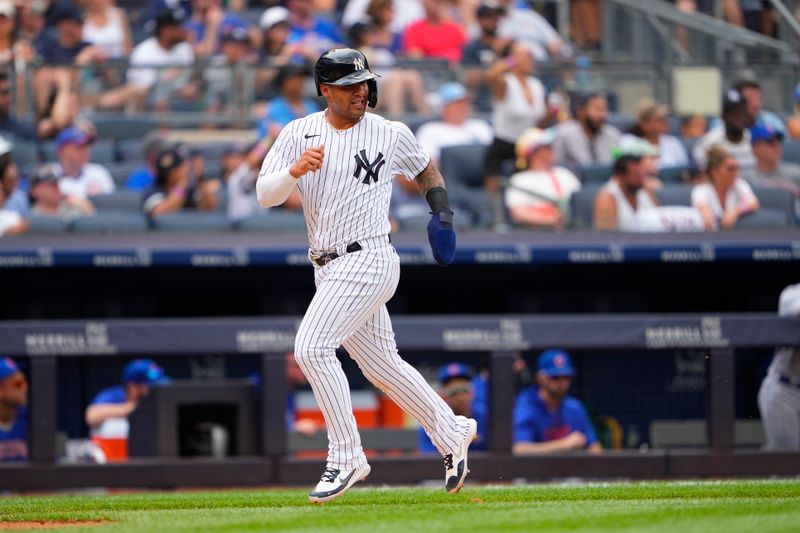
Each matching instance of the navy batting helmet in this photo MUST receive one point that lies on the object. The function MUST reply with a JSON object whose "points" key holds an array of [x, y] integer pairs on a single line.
{"points": [[345, 66]]}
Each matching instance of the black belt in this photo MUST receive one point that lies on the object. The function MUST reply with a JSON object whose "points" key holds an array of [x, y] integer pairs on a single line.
{"points": [[786, 381], [324, 259]]}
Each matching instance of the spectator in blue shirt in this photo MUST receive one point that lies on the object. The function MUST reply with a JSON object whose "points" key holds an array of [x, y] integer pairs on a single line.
{"points": [[139, 376], [309, 31], [467, 397], [290, 104], [13, 412], [546, 419], [144, 177]]}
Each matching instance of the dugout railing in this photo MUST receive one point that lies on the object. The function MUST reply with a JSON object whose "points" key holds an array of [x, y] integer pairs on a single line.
{"points": [[45, 342]]}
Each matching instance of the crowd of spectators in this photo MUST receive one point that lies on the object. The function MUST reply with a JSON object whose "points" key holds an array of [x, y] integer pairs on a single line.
{"points": [[545, 139]]}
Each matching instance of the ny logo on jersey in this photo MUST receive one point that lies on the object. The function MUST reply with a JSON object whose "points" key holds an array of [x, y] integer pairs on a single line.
{"points": [[371, 169], [358, 63]]}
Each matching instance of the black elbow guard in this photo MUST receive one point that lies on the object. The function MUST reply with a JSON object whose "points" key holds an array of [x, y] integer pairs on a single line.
{"points": [[437, 199]]}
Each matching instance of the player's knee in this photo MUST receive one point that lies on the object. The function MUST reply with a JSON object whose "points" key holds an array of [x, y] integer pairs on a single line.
{"points": [[307, 352]]}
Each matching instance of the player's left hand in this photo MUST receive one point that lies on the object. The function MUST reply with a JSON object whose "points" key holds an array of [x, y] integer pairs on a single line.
{"points": [[442, 237]]}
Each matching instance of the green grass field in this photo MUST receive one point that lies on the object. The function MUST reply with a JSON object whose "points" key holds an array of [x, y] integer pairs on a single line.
{"points": [[757, 506]]}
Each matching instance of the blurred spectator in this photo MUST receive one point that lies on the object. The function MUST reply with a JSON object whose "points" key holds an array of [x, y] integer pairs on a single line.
{"points": [[241, 184], [586, 140], [9, 124], [291, 102], [107, 415], [144, 177], [167, 48], [311, 33], [14, 52], [733, 136], [482, 52], [274, 24], [770, 170], [586, 24], [31, 21], [16, 199], [207, 24], [624, 196], [11, 222], [651, 125], [693, 126], [49, 201], [456, 125], [529, 27], [173, 190], [725, 196], [397, 86], [181, 8], [77, 175], [106, 27], [232, 156], [381, 15], [793, 122], [405, 12], [225, 80], [68, 46], [778, 395], [13, 412], [546, 419], [750, 89], [458, 388], [435, 36], [539, 196], [518, 101]]}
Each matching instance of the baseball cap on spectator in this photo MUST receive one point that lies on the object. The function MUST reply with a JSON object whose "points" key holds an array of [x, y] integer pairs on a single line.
{"points": [[452, 92], [489, 8], [7, 9], [556, 363], [235, 33], [170, 158], [7, 368], [762, 132], [145, 372], [44, 174], [273, 16], [649, 109], [634, 147], [66, 11], [73, 135], [168, 17], [732, 99], [452, 371], [531, 140]]}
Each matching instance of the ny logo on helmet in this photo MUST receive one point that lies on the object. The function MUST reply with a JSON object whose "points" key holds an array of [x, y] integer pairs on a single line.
{"points": [[358, 63]]}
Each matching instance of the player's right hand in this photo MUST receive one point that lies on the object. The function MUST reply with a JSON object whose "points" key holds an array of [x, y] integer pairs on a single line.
{"points": [[310, 161]]}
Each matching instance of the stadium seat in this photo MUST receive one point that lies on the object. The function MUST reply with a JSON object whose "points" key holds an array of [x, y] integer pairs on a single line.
{"points": [[596, 173], [791, 151], [464, 164], [118, 201], [779, 201], [192, 221], [124, 126], [122, 170], [673, 194], [110, 222], [40, 224], [273, 220], [24, 153], [581, 206], [131, 149], [762, 219], [673, 174]]}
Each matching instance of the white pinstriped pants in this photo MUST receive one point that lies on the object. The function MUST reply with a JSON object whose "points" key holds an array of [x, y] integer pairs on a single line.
{"points": [[349, 309]]}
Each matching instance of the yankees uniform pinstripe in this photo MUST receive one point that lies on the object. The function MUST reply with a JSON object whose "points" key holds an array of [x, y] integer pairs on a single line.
{"points": [[779, 396], [346, 201]]}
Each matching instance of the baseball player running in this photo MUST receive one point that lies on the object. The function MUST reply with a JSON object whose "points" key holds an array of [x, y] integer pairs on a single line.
{"points": [[779, 396], [343, 160]]}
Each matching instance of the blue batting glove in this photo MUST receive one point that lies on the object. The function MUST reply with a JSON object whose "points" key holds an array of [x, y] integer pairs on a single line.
{"points": [[442, 237]]}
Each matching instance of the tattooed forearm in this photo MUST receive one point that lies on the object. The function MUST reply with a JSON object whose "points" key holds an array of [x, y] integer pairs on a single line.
{"points": [[429, 178]]}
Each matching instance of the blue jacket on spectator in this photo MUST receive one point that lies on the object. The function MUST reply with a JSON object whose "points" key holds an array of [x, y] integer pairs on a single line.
{"points": [[140, 179], [14, 440], [533, 422]]}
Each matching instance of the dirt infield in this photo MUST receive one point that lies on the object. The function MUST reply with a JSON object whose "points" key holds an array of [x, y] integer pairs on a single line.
{"points": [[49, 524]]}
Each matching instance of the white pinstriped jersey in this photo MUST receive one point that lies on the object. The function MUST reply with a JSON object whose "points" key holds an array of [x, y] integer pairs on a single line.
{"points": [[348, 198]]}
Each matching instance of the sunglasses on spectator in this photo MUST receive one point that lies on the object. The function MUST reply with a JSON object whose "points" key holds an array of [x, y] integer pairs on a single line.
{"points": [[452, 391]]}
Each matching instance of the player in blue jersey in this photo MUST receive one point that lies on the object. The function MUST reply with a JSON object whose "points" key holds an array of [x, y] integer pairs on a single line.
{"points": [[13, 412], [546, 419]]}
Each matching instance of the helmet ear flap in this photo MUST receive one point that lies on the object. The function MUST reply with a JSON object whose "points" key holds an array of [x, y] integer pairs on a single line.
{"points": [[372, 87]]}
